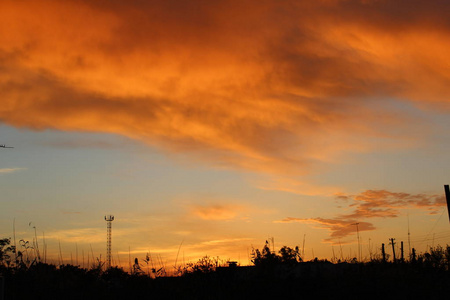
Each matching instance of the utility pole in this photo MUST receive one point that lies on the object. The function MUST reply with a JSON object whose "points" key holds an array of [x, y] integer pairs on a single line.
{"points": [[401, 252], [393, 248], [447, 196], [409, 240], [383, 252], [357, 235], [303, 250], [108, 220]]}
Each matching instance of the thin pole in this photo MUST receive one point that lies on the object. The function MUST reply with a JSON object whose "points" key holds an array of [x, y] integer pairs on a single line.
{"points": [[447, 196], [45, 247], [176, 259], [401, 251], [60, 253], [303, 251], [409, 240], [393, 248], [37, 245], [92, 252], [14, 235], [357, 235], [118, 259], [129, 258]]}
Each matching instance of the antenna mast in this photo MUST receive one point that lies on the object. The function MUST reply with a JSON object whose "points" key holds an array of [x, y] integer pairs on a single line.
{"points": [[108, 220]]}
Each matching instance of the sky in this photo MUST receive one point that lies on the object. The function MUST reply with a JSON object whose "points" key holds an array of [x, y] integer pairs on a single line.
{"points": [[209, 127]]}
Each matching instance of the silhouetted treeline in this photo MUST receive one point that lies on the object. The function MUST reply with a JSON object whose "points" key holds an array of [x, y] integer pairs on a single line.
{"points": [[273, 275]]}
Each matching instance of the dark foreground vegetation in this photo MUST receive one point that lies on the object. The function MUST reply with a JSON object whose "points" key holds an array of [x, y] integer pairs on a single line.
{"points": [[273, 276]]}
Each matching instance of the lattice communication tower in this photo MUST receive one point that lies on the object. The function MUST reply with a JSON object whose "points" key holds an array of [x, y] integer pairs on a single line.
{"points": [[108, 220]]}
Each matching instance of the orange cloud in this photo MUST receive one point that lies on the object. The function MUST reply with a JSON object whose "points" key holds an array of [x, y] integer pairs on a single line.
{"points": [[371, 204], [216, 211], [295, 186], [382, 203], [339, 228], [278, 87]]}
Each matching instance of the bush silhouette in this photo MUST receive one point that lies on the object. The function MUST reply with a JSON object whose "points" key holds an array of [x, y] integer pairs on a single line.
{"points": [[266, 257]]}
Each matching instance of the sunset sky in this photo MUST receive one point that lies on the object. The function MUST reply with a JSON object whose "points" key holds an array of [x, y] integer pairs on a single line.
{"points": [[218, 124]]}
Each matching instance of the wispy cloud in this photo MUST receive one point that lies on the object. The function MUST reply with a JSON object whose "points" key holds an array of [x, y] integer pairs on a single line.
{"points": [[338, 227], [10, 170], [198, 248], [77, 235], [77, 144], [66, 212], [290, 185], [370, 204], [226, 241], [382, 203], [217, 211]]}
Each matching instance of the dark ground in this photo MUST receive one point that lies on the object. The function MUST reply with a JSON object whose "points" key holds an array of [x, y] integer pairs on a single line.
{"points": [[303, 281]]}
